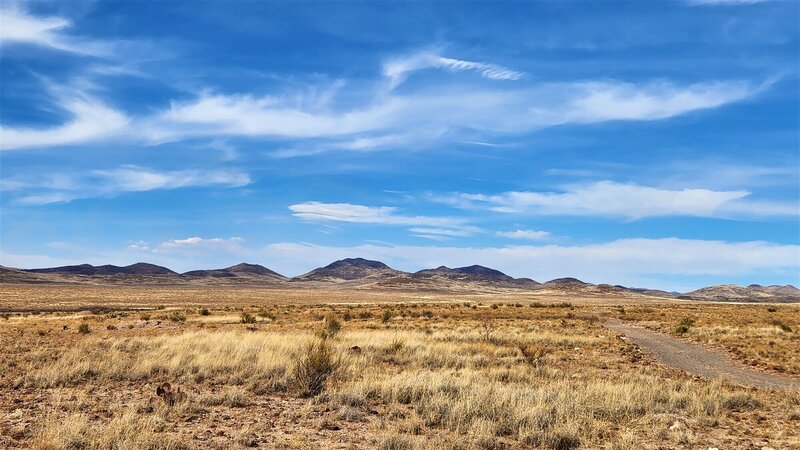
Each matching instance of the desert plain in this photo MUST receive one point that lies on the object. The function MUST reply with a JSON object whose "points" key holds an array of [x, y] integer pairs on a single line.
{"points": [[86, 367]]}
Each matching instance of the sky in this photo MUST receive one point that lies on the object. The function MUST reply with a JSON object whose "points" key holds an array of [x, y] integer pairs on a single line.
{"points": [[644, 143]]}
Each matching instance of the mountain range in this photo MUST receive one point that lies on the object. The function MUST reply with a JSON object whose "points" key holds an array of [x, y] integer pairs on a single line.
{"points": [[365, 274]]}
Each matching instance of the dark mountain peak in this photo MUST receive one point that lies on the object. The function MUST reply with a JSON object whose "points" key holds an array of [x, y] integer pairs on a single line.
{"points": [[253, 269], [357, 262], [141, 268], [482, 271], [349, 269], [108, 269], [564, 281]]}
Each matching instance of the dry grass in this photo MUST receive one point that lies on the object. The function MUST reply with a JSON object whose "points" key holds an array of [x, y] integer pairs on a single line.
{"points": [[456, 375]]}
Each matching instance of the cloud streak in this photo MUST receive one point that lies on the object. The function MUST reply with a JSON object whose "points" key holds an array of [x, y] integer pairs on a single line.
{"points": [[397, 69], [381, 120], [628, 200], [61, 188]]}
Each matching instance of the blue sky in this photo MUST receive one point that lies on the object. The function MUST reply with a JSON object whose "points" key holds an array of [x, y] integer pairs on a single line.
{"points": [[639, 143]]}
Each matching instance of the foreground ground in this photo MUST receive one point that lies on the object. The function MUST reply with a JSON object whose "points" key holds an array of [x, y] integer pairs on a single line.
{"points": [[394, 370]]}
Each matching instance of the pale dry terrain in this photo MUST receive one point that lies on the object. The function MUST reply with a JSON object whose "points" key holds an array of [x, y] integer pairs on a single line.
{"points": [[80, 366]]}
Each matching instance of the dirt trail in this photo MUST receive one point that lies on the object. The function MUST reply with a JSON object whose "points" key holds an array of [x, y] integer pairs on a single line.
{"points": [[695, 359]]}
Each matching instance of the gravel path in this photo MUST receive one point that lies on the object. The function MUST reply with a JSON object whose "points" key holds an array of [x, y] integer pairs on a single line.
{"points": [[696, 359]]}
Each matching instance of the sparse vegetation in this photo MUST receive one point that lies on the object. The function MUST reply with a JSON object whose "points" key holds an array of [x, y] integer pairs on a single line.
{"points": [[455, 378], [204, 312], [84, 328]]}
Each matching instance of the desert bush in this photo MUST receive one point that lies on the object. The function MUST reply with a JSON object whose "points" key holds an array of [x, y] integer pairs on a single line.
{"points": [[204, 312], [84, 328], [534, 354], [386, 316], [177, 316], [684, 325], [314, 366], [331, 325], [144, 317], [248, 318]]}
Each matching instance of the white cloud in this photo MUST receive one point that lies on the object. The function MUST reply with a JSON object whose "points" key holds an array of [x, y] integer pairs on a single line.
{"points": [[59, 188], [632, 201], [90, 120], [346, 212], [18, 26], [440, 231], [135, 178], [723, 2], [193, 243], [398, 69], [379, 121], [533, 235], [360, 121]]}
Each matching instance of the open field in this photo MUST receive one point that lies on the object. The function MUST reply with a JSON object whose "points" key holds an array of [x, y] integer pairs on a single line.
{"points": [[269, 368]]}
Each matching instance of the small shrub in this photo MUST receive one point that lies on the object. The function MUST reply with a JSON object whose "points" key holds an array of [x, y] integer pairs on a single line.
{"points": [[248, 318], [494, 306], [772, 308], [177, 316], [145, 317], [534, 354], [785, 328], [427, 314], [346, 316], [684, 325], [84, 328], [365, 315], [386, 316], [5, 316], [332, 325], [204, 312], [314, 366]]}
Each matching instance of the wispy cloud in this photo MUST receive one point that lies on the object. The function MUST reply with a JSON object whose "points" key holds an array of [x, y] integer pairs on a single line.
{"points": [[22, 27], [532, 235], [397, 69], [633, 201], [90, 120], [435, 228], [194, 243], [60, 188], [347, 212], [723, 2], [333, 120]]}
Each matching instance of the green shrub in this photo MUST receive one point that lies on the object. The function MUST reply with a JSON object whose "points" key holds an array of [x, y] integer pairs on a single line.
{"points": [[386, 316], [84, 328]]}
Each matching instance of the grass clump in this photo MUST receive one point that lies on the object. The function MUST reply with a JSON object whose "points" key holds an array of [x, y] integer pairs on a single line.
{"points": [[204, 312], [331, 326], [314, 366], [84, 328]]}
